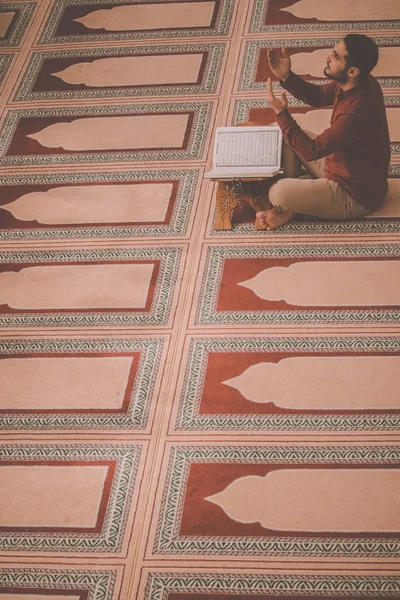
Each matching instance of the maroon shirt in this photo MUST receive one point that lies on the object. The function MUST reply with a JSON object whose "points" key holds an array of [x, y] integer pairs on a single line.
{"points": [[356, 145]]}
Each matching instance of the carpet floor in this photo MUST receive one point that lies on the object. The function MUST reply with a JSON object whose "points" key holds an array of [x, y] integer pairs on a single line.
{"points": [[187, 413]]}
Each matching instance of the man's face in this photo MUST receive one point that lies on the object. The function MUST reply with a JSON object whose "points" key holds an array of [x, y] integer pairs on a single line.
{"points": [[336, 67]]}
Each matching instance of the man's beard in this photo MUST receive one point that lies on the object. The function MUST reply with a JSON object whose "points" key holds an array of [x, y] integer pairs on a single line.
{"points": [[340, 77]]}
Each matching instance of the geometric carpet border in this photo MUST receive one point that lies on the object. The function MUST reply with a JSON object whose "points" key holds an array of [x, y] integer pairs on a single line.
{"points": [[176, 227], [300, 226], [168, 540], [207, 313], [160, 585], [212, 70], [110, 539], [188, 417], [136, 416], [220, 27], [194, 150], [99, 584], [158, 314], [257, 24], [5, 62], [26, 10]]}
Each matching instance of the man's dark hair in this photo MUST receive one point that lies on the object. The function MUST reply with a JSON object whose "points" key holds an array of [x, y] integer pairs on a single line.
{"points": [[362, 53]]}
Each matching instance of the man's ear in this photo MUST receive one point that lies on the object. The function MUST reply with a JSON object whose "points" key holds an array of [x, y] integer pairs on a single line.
{"points": [[353, 72]]}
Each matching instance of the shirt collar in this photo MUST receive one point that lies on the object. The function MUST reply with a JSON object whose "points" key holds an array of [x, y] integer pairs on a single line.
{"points": [[341, 95]]}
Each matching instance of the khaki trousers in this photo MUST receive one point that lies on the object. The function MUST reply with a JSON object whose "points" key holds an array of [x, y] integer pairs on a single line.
{"points": [[310, 193]]}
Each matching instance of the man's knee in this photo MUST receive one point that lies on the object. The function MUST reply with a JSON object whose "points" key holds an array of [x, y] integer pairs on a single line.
{"points": [[282, 193]]}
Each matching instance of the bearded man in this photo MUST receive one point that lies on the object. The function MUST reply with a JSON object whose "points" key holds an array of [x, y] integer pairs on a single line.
{"points": [[346, 166]]}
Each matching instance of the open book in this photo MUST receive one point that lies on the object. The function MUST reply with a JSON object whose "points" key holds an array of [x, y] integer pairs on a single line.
{"points": [[246, 152]]}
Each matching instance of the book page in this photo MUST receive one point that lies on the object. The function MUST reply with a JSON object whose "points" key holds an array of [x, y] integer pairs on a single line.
{"points": [[247, 148]]}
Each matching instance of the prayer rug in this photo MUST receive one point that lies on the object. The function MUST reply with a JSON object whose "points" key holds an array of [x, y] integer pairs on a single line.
{"points": [[89, 288], [81, 384], [140, 132], [293, 384], [104, 20], [318, 285], [51, 206], [315, 17], [153, 71], [41, 510], [279, 502]]}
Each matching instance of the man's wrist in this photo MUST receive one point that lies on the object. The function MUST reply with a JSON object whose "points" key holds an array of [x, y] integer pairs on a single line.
{"points": [[284, 118], [286, 78]]}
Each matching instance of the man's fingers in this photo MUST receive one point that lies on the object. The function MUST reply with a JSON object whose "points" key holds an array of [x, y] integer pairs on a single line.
{"points": [[270, 93], [285, 53]]}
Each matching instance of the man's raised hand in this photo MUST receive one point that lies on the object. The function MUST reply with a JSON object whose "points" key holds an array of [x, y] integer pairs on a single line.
{"points": [[280, 63], [278, 105]]}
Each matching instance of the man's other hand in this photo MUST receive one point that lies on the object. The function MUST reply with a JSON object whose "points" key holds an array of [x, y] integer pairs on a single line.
{"points": [[278, 105], [280, 63]]}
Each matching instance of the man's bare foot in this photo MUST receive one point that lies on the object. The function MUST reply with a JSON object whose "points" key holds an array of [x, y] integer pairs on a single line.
{"points": [[262, 217], [272, 218]]}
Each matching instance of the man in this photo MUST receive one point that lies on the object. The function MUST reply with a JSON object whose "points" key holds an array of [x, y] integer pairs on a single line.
{"points": [[349, 161]]}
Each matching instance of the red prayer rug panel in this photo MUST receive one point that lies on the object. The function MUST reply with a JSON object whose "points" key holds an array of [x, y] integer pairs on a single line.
{"points": [[299, 285], [87, 20], [291, 385], [279, 502], [319, 18], [236, 492], [120, 72]]}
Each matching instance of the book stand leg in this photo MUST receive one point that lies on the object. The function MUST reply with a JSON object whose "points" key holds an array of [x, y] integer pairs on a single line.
{"points": [[227, 200], [229, 196]]}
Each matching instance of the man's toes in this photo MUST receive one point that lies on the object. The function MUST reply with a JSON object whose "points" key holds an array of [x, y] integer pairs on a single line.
{"points": [[261, 216]]}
